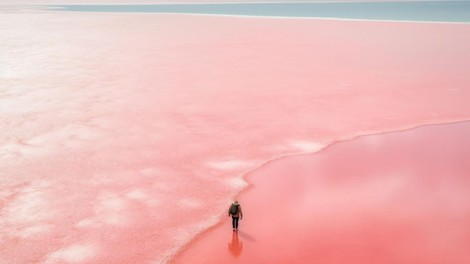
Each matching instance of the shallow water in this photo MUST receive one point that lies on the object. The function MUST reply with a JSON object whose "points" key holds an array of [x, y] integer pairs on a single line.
{"points": [[392, 198], [124, 136], [443, 11]]}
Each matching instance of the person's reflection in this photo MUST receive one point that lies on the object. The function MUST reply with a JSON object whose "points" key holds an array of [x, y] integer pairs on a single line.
{"points": [[236, 245]]}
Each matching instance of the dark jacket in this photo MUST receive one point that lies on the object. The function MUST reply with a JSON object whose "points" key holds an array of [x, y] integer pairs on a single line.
{"points": [[239, 212]]}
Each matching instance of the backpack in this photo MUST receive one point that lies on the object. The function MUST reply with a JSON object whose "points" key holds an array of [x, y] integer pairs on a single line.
{"points": [[234, 209]]}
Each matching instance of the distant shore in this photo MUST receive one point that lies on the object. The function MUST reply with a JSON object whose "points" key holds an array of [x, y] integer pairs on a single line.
{"points": [[416, 11]]}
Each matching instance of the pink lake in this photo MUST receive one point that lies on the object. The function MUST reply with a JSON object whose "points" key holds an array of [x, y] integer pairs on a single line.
{"points": [[394, 198], [126, 136]]}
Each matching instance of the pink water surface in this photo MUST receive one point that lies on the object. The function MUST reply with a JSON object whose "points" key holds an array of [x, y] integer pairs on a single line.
{"points": [[123, 136], [396, 198]]}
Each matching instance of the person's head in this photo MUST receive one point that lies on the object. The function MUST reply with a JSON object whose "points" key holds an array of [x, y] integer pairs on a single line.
{"points": [[236, 202]]}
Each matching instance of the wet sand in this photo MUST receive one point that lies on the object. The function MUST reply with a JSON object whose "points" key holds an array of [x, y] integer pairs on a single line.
{"points": [[399, 197]]}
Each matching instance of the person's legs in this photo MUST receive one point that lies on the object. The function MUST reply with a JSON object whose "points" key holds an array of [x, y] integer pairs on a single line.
{"points": [[235, 222]]}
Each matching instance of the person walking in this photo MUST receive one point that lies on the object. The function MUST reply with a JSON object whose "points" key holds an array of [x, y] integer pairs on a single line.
{"points": [[235, 211]]}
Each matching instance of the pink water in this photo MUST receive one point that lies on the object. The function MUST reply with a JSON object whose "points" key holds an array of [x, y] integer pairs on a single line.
{"points": [[125, 135], [396, 198]]}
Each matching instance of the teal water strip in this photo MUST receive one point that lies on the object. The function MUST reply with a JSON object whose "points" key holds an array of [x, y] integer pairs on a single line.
{"points": [[439, 11]]}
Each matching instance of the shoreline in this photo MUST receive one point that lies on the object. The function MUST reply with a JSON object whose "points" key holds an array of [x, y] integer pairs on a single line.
{"points": [[177, 252], [111, 8], [213, 237], [273, 17], [59, 8]]}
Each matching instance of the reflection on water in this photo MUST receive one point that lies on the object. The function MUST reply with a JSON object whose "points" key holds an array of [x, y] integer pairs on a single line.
{"points": [[236, 246]]}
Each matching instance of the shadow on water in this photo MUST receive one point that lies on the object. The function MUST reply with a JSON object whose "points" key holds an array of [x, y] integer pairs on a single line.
{"points": [[246, 236], [235, 246]]}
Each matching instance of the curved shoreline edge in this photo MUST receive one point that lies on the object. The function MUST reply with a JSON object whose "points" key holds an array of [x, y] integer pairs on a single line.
{"points": [[246, 176]]}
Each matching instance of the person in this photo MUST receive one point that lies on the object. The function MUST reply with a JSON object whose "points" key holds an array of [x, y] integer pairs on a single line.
{"points": [[235, 210]]}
